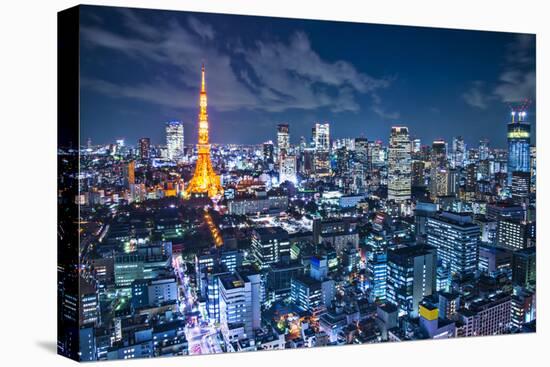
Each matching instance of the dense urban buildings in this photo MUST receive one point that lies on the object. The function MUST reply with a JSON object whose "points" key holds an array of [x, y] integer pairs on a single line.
{"points": [[286, 257], [296, 241]]}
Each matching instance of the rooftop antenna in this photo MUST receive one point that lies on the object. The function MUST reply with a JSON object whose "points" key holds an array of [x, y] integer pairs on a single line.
{"points": [[519, 110]]}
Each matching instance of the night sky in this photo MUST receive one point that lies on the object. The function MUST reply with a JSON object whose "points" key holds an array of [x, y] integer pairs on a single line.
{"points": [[141, 68]]}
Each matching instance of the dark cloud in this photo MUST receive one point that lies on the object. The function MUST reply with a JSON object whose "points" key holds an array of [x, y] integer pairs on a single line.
{"points": [[204, 30], [516, 86], [278, 75], [517, 80], [477, 95]]}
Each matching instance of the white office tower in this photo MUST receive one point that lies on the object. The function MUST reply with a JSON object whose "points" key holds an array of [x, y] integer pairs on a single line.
{"points": [[321, 140], [174, 140], [240, 298], [399, 165]]}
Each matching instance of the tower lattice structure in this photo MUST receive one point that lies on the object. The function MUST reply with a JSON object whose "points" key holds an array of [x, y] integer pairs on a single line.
{"points": [[205, 181]]}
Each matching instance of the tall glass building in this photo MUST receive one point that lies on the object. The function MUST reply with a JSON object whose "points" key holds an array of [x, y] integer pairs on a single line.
{"points": [[399, 165], [519, 143], [174, 139]]}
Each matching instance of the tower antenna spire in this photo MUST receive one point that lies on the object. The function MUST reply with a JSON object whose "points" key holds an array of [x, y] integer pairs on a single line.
{"points": [[205, 181], [203, 79]]}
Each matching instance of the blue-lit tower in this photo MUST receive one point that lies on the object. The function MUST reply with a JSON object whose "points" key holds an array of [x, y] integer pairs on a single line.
{"points": [[519, 143]]}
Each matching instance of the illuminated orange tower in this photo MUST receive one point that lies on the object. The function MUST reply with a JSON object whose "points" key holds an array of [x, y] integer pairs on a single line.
{"points": [[204, 181]]}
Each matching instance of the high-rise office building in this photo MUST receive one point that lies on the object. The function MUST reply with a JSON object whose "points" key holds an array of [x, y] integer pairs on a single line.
{"points": [[515, 234], [399, 165], [129, 172], [283, 140], [239, 304], [519, 144], [416, 146], [321, 140], [483, 149], [524, 308], [533, 185], [144, 148], [456, 238], [377, 260], [374, 154], [89, 303], [521, 186], [417, 173], [286, 158], [361, 151], [439, 153], [524, 266], [322, 137], [491, 316], [287, 168], [174, 140], [269, 152], [411, 276], [270, 245], [459, 151], [312, 295]]}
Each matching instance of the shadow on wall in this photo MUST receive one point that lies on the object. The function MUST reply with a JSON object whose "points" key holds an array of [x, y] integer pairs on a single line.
{"points": [[49, 346]]}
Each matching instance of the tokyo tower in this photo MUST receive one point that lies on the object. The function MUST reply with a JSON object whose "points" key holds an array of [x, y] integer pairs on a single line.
{"points": [[205, 182]]}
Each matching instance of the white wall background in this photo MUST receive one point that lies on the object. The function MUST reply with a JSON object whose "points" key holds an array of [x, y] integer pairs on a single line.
{"points": [[28, 179]]}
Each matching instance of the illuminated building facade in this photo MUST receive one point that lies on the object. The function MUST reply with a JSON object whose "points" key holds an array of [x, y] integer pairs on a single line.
{"points": [[145, 148], [270, 245], [399, 165], [456, 238], [174, 140], [283, 139], [411, 277], [459, 151], [483, 149], [439, 153], [519, 144], [286, 159], [239, 304], [321, 140], [205, 181], [287, 169]]}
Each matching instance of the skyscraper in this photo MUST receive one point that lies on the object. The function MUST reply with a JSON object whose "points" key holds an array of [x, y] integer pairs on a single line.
{"points": [[416, 145], [283, 140], [459, 151], [521, 185], [399, 165], [129, 172], [287, 169], [376, 272], [483, 149], [239, 304], [411, 276], [174, 139], [456, 238], [268, 152], [144, 148], [439, 153], [361, 151], [270, 245], [417, 173], [286, 158], [519, 143], [321, 139], [205, 181]]}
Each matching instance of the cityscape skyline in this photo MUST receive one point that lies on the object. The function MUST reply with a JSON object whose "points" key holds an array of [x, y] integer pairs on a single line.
{"points": [[199, 248], [359, 93]]}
